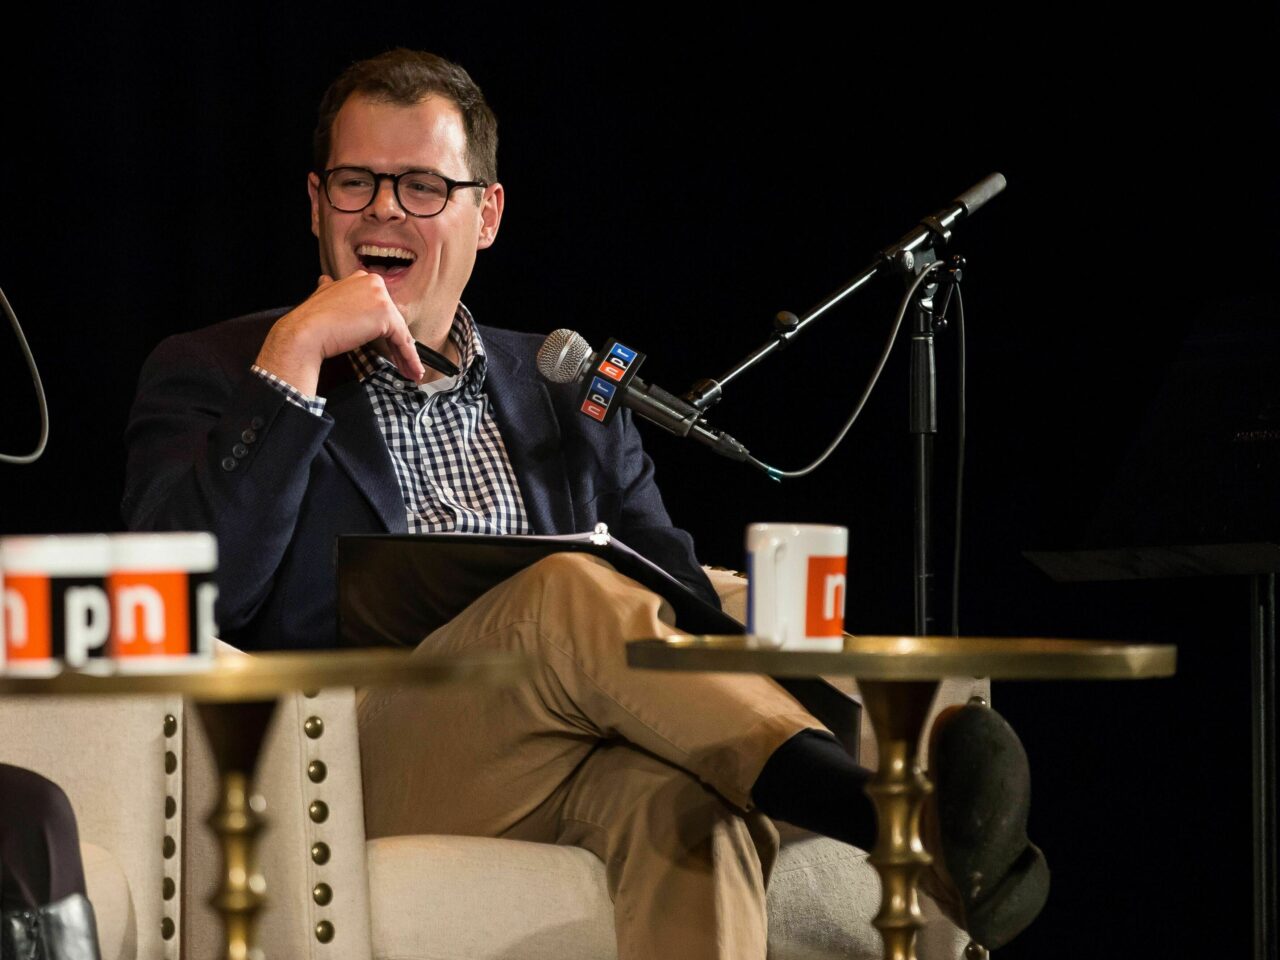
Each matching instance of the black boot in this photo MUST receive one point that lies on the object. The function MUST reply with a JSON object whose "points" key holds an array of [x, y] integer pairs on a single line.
{"points": [[63, 930], [975, 825]]}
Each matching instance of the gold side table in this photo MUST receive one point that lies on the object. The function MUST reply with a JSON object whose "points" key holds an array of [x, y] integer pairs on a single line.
{"points": [[898, 677], [235, 698]]}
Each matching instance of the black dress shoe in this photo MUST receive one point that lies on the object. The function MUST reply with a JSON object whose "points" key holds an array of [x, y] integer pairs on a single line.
{"points": [[977, 824], [62, 930]]}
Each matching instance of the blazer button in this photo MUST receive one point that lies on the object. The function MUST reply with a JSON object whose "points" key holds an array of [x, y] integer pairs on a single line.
{"points": [[248, 436], [257, 423], [229, 463], [240, 451]]}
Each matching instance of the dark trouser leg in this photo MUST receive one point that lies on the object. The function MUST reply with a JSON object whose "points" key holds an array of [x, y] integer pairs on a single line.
{"points": [[42, 890], [39, 843], [810, 781]]}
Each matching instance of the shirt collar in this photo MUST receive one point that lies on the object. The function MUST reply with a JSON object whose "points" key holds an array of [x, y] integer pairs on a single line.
{"points": [[472, 362]]}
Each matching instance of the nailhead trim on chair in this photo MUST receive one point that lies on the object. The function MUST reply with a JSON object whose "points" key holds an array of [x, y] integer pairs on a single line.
{"points": [[318, 813], [172, 864]]}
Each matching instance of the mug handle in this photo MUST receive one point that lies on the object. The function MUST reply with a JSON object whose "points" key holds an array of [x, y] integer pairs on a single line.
{"points": [[764, 590]]}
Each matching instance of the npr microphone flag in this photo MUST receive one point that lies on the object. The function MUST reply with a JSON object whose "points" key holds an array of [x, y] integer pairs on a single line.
{"points": [[604, 384]]}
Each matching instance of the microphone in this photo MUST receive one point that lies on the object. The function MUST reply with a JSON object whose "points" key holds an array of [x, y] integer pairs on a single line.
{"points": [[939, 224], [608, 382]]}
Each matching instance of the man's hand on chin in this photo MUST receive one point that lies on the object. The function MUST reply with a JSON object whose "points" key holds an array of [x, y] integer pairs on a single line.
{"points": [[339, 316]]}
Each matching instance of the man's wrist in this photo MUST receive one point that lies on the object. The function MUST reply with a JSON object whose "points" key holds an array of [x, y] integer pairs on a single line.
{"points": [[288, 357], [312, 404]]}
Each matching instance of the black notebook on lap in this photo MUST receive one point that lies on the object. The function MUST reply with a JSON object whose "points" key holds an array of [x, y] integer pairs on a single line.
{"points": [[395, 589]]}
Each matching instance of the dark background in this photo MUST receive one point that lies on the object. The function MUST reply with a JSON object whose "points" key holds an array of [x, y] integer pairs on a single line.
{"points": [[674, 178]]}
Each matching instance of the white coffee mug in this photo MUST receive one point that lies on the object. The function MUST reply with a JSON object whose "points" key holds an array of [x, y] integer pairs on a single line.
{"points": [[796, 584]]}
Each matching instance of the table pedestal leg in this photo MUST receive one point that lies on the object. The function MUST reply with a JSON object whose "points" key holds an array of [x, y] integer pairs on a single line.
{"points": [[898, 710], [235, 733]]}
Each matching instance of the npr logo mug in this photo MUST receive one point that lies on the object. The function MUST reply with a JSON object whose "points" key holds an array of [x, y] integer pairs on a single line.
{"points": [[126, 602], [796, 584], [162, 596]]}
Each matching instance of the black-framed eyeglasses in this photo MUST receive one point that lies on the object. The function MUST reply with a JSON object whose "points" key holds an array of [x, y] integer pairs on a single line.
{"points": [[420, 193]]}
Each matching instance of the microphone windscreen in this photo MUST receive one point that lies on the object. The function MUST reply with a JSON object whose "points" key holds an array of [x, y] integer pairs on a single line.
{"points": [[562, 355], [980, 193]]}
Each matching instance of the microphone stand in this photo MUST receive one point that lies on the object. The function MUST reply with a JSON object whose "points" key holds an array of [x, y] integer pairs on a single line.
{"points": [[923, 406], [923, 426], [912, 254]]}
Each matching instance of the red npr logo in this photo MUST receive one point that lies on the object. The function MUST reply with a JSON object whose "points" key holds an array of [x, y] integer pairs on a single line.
{"points": [[824, 598]]}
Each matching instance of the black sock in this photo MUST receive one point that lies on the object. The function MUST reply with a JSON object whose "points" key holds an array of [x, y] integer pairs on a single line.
{"points": [[810, 781]]}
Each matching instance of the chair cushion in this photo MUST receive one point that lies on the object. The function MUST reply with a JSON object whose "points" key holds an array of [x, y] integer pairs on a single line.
{"points": [[472, 898], [108, 891], [822, 897]]}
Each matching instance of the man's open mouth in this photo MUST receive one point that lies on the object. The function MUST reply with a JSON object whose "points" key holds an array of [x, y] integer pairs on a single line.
{"points": [[384, 261]]}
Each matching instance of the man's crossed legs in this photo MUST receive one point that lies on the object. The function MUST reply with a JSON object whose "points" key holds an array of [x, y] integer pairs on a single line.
{"points": [[654, 772]]}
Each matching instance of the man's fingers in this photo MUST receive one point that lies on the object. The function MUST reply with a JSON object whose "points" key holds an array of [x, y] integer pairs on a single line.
{"points": [[352, 312], [405, 355], [402, 346], [400, 342]]}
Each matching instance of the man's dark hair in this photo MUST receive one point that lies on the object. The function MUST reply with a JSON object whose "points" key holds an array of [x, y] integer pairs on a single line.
{"points": [[407, 77]]}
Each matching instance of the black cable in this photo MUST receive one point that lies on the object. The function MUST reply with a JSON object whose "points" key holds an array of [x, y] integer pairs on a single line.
{"points": [[955, 559], [35, 379], [777, 474]]}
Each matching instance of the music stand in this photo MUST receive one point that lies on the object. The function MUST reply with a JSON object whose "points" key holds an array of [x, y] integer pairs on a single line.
{"points": [[1196, 497]]}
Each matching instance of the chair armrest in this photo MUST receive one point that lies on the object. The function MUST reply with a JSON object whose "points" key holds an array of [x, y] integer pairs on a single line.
{"points": [[731, 587], [289, 923]]}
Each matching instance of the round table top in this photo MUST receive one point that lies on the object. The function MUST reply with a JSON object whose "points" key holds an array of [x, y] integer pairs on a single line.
{"points": [[267, 675], [913, 658]]}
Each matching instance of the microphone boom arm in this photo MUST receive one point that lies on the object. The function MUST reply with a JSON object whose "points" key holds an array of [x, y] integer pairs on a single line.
{"points": [[706, 393], [932, 229]]}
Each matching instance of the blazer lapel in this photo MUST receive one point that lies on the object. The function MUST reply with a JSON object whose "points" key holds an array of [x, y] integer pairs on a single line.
{"points": [[356, 444], [527, 421]]}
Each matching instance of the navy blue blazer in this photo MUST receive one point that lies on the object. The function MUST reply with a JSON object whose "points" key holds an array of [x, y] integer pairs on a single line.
{"points": [[211, 446]]}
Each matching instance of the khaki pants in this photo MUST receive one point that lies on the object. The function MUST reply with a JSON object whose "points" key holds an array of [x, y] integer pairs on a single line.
{"points": [[649, 770]]}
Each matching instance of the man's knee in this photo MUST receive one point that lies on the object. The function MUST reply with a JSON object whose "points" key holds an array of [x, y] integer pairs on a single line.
{"points": [[582, 592], [39, 843], [565, 569], [30, 802]]}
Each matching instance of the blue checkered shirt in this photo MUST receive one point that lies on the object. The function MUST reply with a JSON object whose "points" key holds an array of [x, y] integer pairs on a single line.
{"points": [[450, 460]]}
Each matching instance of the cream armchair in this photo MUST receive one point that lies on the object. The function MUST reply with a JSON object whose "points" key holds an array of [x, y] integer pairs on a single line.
{"points": [[141, 779]]}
